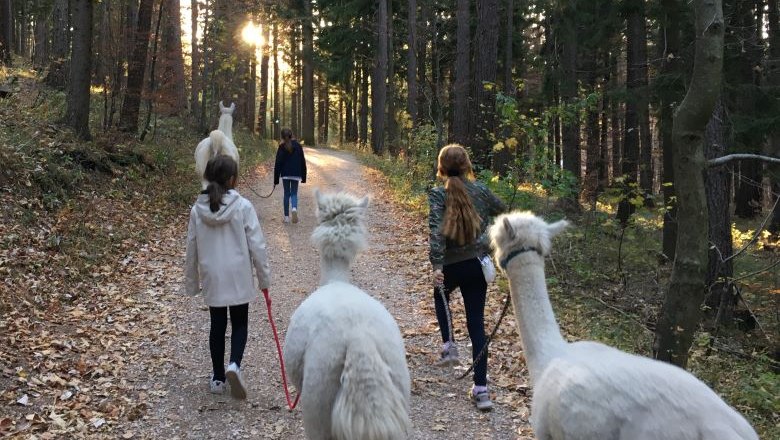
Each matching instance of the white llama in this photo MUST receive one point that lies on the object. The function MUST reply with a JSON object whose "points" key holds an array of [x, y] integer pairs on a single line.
{"points": [[587, 390], [343, 350], [220, 141]]}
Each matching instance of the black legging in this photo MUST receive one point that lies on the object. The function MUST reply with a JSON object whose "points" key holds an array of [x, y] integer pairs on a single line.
{"points": [[467, 275], [239, 317]]}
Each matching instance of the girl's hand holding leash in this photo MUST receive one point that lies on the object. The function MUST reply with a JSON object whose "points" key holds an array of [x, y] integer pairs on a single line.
{"points": [[438, 277]]}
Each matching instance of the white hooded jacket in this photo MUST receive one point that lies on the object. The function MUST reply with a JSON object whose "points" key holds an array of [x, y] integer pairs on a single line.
{"points": [[222, 249]]}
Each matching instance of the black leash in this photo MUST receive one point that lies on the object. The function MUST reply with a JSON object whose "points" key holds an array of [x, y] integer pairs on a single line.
{"points": [[483, 351], [258, 195]]}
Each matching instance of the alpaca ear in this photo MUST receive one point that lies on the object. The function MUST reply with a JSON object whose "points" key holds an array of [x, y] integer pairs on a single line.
{"points": [[221, 106], [557, 227], [363, 203], [232, 106], [318, 197], [510, 231]]}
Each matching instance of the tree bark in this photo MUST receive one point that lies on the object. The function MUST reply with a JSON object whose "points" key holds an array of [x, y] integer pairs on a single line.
{"points": [[172, 85], [6, 31], [308, 75], [77, 111], [277, 95], [773, 78], [411, 61], [60, 45], [363, 117], [681, 312], [392, 124], [379, 81], [671, 72], [262, 112], [128, 118], [195, 68], [572, 161], [482, 118], [509, 87], [41, 54], [460, 121]]}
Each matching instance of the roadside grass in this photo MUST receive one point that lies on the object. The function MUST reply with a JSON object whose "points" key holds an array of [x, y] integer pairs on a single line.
{"points": [[607, 284]]}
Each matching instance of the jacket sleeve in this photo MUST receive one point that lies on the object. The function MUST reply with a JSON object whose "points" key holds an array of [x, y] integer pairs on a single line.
{"points": [[191, 275], [303, 167], [278, 165], [256, 243], [436, 240]]}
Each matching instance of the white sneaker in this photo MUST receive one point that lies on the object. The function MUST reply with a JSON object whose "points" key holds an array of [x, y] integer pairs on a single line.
{"points": [[295, 215], [286, 219], [233, 375], [217, 387]]}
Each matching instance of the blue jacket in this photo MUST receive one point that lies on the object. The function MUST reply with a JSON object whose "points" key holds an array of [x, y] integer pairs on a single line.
{"points": [[290, 164]]}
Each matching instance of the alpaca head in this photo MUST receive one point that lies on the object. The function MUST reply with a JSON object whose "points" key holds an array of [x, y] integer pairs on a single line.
{"points": [[341, 231], [523, 230], [227, 110]]}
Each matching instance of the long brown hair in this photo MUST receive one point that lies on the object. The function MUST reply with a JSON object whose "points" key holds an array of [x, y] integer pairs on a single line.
{"points": [[220, 171], [461, 221], [287, 135]]}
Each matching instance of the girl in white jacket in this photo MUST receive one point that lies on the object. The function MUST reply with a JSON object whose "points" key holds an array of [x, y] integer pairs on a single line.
{"points": [[224, 244]]}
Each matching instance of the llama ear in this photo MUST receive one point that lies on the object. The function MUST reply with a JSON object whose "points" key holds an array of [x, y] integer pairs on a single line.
{"points": [[557, 227], [509, 229], [221, 106], [232, 106], [363, 203], [318, 197]]}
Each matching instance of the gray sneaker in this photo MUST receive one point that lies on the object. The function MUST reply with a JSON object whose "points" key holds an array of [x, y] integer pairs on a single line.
{"points": [[236, 381], [449, 356], [481, 400]]}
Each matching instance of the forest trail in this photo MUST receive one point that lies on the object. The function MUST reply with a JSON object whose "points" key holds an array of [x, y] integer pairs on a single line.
{"points": [[174, 372]]}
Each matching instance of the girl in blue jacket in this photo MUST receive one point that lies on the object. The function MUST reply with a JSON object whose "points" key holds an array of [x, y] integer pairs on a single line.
{"points": [[291, 167]]}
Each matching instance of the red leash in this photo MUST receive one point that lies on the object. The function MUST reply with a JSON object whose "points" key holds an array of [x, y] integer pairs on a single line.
{"points": [[290, 403]]}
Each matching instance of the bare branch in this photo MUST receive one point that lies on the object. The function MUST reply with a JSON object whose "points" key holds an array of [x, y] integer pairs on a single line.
{"points": [[728, 158], [756, 235]]}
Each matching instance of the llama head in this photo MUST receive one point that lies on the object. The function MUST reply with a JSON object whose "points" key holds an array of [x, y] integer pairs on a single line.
{"points": [[227, 110], [341, 231], [523, 230]]}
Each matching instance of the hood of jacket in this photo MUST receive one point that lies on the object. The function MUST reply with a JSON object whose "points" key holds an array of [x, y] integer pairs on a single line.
{"points": [[230, 205]]}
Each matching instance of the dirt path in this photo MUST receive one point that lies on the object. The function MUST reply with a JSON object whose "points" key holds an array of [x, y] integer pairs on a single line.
{"points": [[174, 375]]}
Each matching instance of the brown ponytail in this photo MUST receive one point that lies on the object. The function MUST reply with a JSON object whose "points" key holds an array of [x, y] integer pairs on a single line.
{"points": [[220, 171], [461, 221], [287, 135]]}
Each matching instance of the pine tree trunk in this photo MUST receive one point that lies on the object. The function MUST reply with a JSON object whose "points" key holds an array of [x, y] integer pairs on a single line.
{"points": [[482, 118], [773, 78], [411, 61], [277, 115], [41, 54], [262, 112], [392, 124], [348, 100], [568, 89], [363, 131], [681, 312], [174, 96], [128, 118], [460, 121], [645, 166], [294, 71], [308, 75], [60, 45], [509, 87], [379, 80], [6, 31], [671, 70], [423, 101], [195, 68], [77, 111]]}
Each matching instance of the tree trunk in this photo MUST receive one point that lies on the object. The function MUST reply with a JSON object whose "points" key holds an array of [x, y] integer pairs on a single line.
{"points": [[482, 117], [60, 45], [509, 87], [77, 112], [174, 96], [41, 55], [460, 121], [128, 118], [671, 72], [379, 81], [637, 23], [195, 89], [363, 132], [392, 124], [592, 164], [773, 78], [6, 31], [348, 100], [720, 299], [568, 89], [411, 58], [294, 70], [308, 75], [262, 112], [423, 95], [681, 312], [277, 114]]}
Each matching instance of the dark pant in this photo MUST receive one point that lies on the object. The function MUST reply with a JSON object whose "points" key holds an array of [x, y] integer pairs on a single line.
{"points": [[467, 275], [239, 317], [290, 195]]}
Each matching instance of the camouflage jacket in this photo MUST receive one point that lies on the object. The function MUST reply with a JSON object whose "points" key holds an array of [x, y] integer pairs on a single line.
{"points": [[444, 251]]}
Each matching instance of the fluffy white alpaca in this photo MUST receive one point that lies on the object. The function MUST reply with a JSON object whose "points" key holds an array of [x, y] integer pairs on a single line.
{"points": [[220, 141], [343, 350], [587, 390]]}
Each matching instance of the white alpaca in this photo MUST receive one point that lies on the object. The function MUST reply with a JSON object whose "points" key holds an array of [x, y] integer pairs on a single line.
{"points": [[587, 390], [220, 141], [343, 350]]}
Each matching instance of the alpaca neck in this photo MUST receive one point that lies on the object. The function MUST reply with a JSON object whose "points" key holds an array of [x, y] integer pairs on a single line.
{"points": [[226, 125], [334, 269], [539, 331]]}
